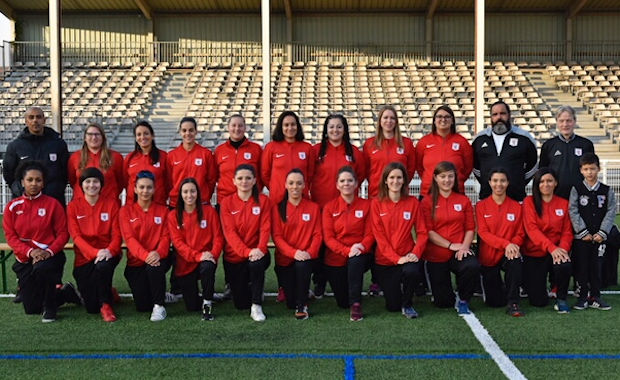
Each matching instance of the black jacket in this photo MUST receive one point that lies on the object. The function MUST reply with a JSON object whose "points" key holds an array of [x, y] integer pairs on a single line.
{"points": [[49, 148], [563, 157]]}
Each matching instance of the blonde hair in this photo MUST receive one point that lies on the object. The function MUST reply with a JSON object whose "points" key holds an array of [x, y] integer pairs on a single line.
{"points": [[379, 131]]}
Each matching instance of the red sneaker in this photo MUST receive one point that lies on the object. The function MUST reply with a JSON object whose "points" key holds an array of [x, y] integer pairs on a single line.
{"points": [[107, 313], [281, 296]]}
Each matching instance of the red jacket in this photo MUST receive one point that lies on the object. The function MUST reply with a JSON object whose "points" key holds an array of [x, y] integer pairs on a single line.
{"points": [[453, 217], [498, 226], [135, 162], [378, 158], [547, 232], [197, 163], [38, 222], [246, 225], [144, 231], [432, 149], [323, 186], [344, 225], [227, 158], [193, 238], [302, 231], [392, 224], [93, 228], [113, 178], [278, 158]]}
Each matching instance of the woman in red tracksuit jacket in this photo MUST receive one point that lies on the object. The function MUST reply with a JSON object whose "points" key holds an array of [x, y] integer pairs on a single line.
{"points": [[197, 236], [237, 150], [443, 144], [500, 238], [286, 151], [93, 225], [387, 146], [190, 160], [35, 227], [347, 233], [449, 219], [145, 230], [549, 236], [332, 153], [246, 222], [296, 229], [394, 213], [147, 157], [95, 153]]}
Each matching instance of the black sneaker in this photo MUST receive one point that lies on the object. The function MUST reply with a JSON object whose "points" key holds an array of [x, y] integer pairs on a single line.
{"points": [[514, 311], [71, 294], [301, 312], [581, 304], [207, 312], [319, 290], [18, 297], [597, 303], [49, 315]]}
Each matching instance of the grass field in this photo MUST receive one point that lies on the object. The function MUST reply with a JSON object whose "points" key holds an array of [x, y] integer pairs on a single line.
{"points": [[438, 345]]}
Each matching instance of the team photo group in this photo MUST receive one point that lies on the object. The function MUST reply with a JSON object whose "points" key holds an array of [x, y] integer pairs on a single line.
{"points": [[305, 201]]}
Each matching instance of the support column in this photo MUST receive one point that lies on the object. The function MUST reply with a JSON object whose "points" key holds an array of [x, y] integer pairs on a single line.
{"points": [[479, 55], [569, 39], [55, 11], [266, 71]]}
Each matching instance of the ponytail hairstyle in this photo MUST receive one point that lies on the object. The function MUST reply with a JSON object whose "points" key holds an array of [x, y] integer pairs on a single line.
{"points": [[536, 195], [154, 153], [181, 204], [383, 188], [442, 167], [284, 201], [251, 169], [346, 139]]}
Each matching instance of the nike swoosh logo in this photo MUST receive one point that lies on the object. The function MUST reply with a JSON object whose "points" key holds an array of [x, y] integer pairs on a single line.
{"points": [[430, 145], [224, 157], [132, 165], [23, 157], [177, 162], [279, 155], [81, 216], [383, 214], [374, 151], [235, 212], [132, 220], [336, 214], [487, 216]]}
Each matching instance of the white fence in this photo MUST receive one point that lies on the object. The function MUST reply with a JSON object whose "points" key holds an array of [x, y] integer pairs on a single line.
{"points": [[610, 175]]}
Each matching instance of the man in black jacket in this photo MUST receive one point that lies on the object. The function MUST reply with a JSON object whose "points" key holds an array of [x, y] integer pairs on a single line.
{"points": [[38, 142], [507, 146], [562, 152]]}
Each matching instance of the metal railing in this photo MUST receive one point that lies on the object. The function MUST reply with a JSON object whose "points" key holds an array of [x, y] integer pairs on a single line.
{"points": [[610, 175], [192, 51]]}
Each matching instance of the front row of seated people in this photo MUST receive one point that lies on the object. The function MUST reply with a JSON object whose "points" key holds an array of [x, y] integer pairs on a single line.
{"points": [[529, 242]]}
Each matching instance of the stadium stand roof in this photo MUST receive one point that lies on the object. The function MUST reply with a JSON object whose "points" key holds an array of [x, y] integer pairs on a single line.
{"points": [[11, 8]]}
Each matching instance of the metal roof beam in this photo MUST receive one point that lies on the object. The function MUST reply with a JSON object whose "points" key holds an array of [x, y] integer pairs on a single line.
{"points": [[7, 10], [145, 8], [575, 7], [432, 7], [288, 9]]}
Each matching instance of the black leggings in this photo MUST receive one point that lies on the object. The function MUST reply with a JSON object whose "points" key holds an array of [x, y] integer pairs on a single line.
{"points": [[346, 281], [498, 292], [397, 283], [295, 279], [148, 284], [37, 283], [206, 273], [535, 270], [94, 282], [247, 281], [467, 275]]}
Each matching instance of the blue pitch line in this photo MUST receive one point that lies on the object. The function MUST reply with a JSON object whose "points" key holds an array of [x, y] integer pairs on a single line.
{"points": [[347, 358], [349, 368]]}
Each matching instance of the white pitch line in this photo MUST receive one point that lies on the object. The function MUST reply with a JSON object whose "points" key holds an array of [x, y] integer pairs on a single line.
{"points": [[499, 357]]}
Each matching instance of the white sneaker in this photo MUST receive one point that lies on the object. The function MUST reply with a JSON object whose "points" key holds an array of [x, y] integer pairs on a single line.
{"points": [[172, 298], [256, 313], [158, 314]]}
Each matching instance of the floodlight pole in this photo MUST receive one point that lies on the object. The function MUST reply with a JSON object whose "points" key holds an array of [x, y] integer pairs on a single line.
{"points": [[266, 72], [479, 55], [55, 11]]}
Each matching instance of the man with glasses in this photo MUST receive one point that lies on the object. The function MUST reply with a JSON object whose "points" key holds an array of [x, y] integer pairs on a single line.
{"points": [[38, 142], [503, 145]]}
